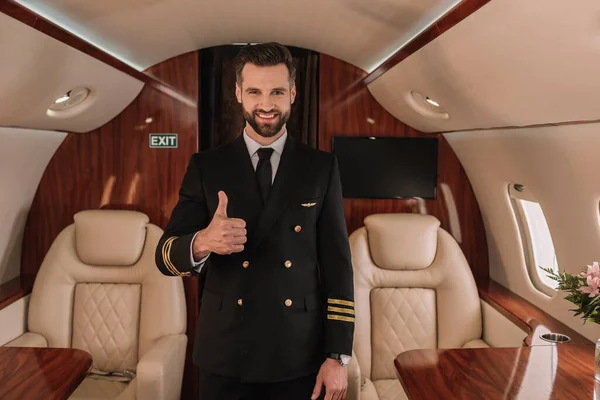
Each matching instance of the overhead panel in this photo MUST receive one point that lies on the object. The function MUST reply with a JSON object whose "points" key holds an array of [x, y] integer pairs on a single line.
{"points": [[36, 71], [143, 33], [511, 63]]}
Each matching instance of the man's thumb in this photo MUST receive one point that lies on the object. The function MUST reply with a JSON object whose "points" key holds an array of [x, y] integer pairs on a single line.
{"points": [[222, 207], [317, 389]]}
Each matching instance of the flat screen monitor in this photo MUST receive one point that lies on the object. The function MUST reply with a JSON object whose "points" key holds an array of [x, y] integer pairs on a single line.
{"points": [[387, 167]]}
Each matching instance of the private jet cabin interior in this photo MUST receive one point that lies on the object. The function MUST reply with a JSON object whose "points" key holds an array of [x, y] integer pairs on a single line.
{"points": [[482, 116]]}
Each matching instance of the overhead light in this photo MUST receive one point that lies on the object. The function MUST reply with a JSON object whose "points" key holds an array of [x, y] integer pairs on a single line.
{"points": [[63, 98], [425, 106], [69, 100], [149, 120], [432, 102]]}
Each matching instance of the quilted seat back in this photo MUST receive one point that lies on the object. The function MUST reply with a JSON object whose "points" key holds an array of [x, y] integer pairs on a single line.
{"points": [[413, 290], [98, 290]]}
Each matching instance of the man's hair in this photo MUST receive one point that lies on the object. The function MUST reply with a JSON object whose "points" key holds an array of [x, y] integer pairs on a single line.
{"points": [[265, 55]]}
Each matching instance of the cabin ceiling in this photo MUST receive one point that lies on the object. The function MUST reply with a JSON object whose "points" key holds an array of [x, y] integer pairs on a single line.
{"points": [[511, 63], [37, 69], [143, 33]]}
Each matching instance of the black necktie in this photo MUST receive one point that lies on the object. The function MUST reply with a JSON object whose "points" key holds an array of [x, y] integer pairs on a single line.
{"points": [[264, 173]]}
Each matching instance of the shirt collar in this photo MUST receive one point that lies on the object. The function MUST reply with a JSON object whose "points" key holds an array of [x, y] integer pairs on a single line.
{"points": [[253, 145]]}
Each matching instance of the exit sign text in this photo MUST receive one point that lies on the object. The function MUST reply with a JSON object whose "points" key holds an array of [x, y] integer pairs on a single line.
{"points": [[163, 140]]}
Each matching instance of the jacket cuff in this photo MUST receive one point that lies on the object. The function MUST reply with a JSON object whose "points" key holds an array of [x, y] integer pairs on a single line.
{"points": [[339, 326], [176, 255]]}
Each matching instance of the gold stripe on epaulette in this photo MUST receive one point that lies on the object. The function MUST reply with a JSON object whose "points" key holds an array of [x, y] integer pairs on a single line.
{"points": [[340, 310], [341, 302], [340, 318]]}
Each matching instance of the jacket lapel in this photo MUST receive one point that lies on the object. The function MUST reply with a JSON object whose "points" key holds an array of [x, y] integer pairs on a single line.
{"points": [[287, 180]]}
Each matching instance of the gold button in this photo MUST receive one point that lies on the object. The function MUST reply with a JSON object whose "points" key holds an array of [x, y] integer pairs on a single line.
{"points": [[239, 302], [297, 228], [245, 264], [288, 303], [288, 264]]}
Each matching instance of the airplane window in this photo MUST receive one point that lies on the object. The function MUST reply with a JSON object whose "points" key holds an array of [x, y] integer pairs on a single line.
{"points": [[536, 238]]}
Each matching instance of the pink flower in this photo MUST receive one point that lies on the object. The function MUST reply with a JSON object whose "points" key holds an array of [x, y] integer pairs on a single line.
{"points": [[593, 270], [593, 285]]}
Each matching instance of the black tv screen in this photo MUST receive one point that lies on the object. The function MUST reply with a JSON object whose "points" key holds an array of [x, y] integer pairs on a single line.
{"points": [[387, 167]]}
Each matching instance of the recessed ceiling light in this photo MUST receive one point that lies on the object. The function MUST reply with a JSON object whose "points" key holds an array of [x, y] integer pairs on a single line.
{"points": [[432, 102], [148, 120], [63, 98], [425, 106], [69, 100]]}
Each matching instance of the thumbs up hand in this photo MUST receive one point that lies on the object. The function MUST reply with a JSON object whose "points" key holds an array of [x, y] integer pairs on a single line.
{"points": [[223, 235]]}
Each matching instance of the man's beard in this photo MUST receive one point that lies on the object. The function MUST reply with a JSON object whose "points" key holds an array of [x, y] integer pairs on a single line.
{"points": [[267, 129]]}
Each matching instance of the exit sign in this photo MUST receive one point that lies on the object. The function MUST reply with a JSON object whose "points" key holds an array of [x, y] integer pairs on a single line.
{"points": [[163, 140]]}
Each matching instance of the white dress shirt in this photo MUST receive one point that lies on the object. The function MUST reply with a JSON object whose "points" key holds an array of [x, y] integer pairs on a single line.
{"points": [[252, 146]]}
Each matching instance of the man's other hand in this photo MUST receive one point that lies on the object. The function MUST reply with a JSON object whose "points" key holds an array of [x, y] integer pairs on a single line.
{"points": [[223, 236], [334, 377]]}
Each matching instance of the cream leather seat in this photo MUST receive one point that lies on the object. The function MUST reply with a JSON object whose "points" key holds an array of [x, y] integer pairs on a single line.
{"points": [[413, 290], [99, 290]]}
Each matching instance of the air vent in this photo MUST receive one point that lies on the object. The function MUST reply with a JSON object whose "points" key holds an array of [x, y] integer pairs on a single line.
{"points": [[426, 106]]}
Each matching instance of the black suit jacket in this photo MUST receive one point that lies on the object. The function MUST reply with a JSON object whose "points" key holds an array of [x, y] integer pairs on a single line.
{"points": [[273, 311]]}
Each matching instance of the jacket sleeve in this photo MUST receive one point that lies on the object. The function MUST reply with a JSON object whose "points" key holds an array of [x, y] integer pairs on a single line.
{"points": [[336, 267], [190, 215]]}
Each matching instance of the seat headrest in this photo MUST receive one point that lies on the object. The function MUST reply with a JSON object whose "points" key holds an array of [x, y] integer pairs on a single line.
{"points": [[402, 241], [110, 237]]}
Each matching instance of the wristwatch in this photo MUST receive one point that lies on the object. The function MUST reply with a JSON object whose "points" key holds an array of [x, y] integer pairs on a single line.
{"points": [[343, 359]]}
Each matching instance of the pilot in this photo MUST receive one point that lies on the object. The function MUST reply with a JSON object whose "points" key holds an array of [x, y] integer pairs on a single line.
{"points": [[263, 218]]}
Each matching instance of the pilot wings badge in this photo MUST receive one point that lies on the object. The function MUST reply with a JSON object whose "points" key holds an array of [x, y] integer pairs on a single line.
{"points": [[308, 204]]}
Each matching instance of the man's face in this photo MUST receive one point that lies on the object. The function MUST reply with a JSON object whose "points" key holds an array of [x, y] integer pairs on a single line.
{"points": [[266, 98]]}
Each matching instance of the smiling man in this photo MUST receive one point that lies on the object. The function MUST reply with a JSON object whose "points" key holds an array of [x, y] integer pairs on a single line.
{"points": [[263, 217]]}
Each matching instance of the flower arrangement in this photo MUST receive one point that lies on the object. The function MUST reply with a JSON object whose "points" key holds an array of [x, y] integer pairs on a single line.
{"points": [[583, 291]]}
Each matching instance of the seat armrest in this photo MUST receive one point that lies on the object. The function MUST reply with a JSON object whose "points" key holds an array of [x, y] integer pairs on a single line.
{"points": [[160, 370], [498, 330], [28, 339], [354, 379]]}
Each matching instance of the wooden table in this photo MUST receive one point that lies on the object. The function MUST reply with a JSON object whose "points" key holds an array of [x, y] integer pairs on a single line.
{"points": [[525, 373], [39, 373]]}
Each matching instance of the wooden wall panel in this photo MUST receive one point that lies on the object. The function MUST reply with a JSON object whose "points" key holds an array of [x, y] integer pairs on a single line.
{"points": [[347, 108], [179, 73], [113, 167]]}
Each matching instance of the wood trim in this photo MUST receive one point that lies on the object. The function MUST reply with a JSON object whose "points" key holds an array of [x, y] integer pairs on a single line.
{"points": [[502, 372], [527, 316], [41, 373], [12, 291], [28, 17], [497, 373], [455, 15]]}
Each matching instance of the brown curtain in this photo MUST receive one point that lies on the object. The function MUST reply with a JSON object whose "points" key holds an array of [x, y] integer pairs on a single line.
{"points": [[220, 115]]}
